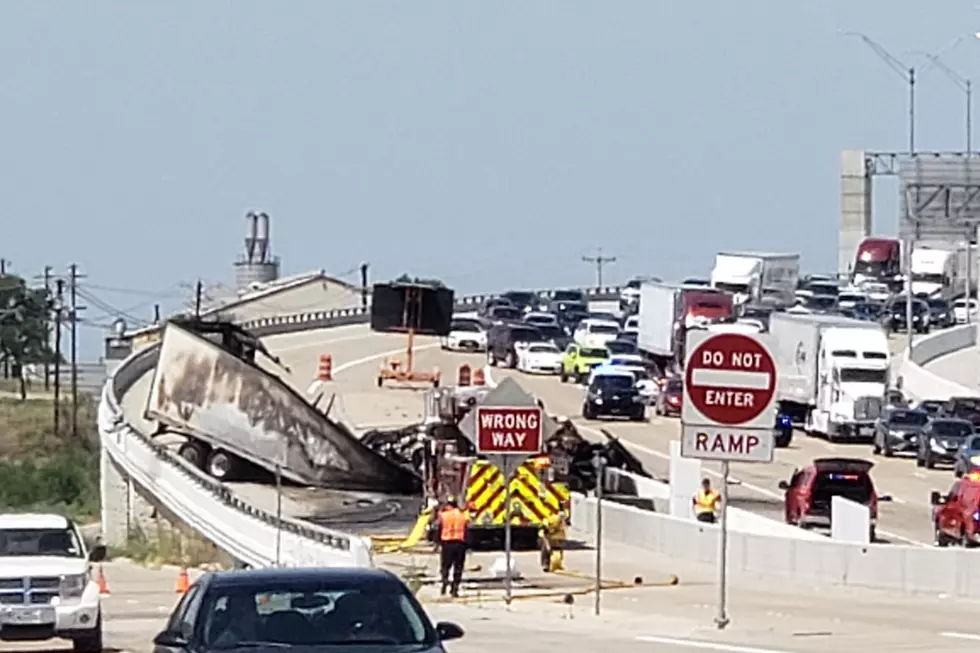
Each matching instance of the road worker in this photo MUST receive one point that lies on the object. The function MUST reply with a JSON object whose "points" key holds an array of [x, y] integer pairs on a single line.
{"points": [[453, 524], [551, 537], [706, 502]]}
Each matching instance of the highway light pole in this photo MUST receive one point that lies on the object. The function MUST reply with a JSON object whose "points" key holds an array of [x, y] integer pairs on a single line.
{"points": [[907, 73], [599, 260], [961, 82]]}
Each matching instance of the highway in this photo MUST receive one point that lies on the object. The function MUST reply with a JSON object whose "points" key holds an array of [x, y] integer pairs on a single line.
{"points": [[963, 367]]}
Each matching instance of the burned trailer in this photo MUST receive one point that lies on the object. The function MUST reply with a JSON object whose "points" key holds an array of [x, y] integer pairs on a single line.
{"points": [[208, 387]]}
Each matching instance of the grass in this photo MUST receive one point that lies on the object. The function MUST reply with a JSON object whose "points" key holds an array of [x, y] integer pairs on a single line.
{"points": [[41, 470]]}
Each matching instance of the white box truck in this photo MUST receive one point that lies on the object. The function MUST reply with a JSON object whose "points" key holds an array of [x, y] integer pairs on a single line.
{"points": [[833, 372], [936, 272], [668, 310], [752, 276]]}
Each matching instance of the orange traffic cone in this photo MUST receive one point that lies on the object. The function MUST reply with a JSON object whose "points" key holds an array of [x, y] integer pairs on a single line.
{"points": [[479, 377], [183, 581], [102, 583], [324, 370]]}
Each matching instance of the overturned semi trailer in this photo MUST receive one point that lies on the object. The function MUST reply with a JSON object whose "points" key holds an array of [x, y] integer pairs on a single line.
{"points": [[207, 387]]}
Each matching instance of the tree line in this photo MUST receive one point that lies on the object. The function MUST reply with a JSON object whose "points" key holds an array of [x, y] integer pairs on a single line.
{"points": [[26, 320]]}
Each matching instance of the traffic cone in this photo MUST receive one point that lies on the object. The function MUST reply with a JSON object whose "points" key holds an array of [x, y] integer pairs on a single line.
{"points": [[479, 377], [325, 370], [102, 583], [183, 581], [464, 376]]}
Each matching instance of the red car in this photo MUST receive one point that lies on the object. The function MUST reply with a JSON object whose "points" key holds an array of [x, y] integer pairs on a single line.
{"points": [[956, 516], [810, 491], [669, 397]]}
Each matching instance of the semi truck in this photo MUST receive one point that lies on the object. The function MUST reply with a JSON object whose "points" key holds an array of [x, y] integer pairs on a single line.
{"points": [[936, 272], [878, 260], [833, 373], [668, 310], [753, 276]]}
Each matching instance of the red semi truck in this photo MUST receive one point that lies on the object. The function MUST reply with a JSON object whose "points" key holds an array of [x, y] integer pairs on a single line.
{"points": [[879, 260]]}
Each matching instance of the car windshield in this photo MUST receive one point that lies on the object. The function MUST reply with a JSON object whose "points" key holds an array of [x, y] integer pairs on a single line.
{"points": [[822, 288], [608, 329], [308, 614], [965, 404], [908, 418], [952, 429], [620, 347], [540, 319], [615, 381], [58, 542], [938, 304], [973, 444], [917, 308], [593, 353], [469, 327], [567, 296], [821, 301], [520, 298], [506, 313], [674, 386], [551, 331], [848, 297], [543, 348]]}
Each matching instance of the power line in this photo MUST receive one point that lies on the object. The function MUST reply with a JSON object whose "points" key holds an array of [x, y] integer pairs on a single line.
{"points": [[600, 261]]}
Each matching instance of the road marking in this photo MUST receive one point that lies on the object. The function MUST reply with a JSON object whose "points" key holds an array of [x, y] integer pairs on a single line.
{"points": [[374, 357], [953, 635], [710, 646]]}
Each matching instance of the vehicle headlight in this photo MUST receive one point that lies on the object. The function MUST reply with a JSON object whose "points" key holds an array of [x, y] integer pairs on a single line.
{"points": [[598, 401], [73, 585]]}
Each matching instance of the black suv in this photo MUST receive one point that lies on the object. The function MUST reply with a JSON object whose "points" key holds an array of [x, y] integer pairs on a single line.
{"points": [[502, 338], [893, 318], [613, 395]]}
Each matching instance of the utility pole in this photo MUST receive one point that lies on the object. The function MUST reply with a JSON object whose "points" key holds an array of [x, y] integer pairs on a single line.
{"points": [[3, 267], [58, 306], [599, 260], [74, 308], [364, 285], [46, 276], [156, 314], [198, 293]]}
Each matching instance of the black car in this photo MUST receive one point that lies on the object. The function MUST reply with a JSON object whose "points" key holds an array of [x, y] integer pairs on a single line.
{"points": [[628, 336], [569, 318], [941, 313], [489, 304], [302, 609], [555, 334], [503, 313], [899, 430], [942, 441], [620, 346], [613, 395], [570, 296], [502, 338], [525, 300], [893, 317]]}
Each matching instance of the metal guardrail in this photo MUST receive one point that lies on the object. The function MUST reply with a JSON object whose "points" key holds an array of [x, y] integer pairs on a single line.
{"points": [[112, 425]]}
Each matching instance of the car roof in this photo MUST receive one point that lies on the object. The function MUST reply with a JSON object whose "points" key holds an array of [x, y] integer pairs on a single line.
{"points": [[33, 520], [286, 575], [612, 370], [853, 465], [598, 321]]}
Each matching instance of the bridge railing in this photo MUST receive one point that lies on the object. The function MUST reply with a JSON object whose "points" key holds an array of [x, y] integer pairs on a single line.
{"points": [[245, 532], [921, 383]]}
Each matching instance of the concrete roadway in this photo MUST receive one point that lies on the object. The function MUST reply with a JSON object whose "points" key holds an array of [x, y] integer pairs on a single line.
{"points": [[963, 367], [357, 353]]}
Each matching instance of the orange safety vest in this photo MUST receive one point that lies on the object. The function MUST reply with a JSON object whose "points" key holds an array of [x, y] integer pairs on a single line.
{"points": [[705, 501], [453, 525]]}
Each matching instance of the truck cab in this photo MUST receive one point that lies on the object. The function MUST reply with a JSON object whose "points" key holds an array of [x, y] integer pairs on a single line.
{"points": [[877, 260], [956, 514], [852, 376], [935, 272]]}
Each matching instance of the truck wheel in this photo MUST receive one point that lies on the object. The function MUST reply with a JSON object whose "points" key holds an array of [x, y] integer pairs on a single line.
{"points": [[194, 452], [222, 465], [491, 359], [90, 642], [562, 376], [510, 360]]}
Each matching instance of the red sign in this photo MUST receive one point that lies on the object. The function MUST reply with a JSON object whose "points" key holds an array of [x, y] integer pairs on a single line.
{"points": [[508, 430], [730, 379]]}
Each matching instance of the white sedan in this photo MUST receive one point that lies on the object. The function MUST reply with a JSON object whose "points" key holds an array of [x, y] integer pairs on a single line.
{"points": [[539, 358], [465, 335]]}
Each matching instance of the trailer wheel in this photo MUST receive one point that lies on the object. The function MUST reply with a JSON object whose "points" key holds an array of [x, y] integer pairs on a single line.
{"points": [[222, 465], [194, 452]]}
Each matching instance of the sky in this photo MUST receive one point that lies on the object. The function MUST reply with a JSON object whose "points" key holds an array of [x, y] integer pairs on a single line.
{"points": [[489, 144]]}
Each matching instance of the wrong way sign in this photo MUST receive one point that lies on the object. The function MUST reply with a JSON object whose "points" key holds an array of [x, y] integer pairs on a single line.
{"points": [[729, 407]]}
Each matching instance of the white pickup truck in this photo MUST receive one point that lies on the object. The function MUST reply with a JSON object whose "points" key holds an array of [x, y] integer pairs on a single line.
{"points": [[47, 589]]}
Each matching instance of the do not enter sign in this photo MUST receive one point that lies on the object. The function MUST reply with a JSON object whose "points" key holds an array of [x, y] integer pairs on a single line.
{"points": [[730, 380]]}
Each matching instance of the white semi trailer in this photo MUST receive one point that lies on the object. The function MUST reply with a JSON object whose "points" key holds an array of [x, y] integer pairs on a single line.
{"points": [[833, 372]]}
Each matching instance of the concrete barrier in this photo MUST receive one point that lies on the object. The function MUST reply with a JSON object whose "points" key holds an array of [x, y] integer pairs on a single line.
{"points": [[953, 572], [740, 520], [920, 383]]}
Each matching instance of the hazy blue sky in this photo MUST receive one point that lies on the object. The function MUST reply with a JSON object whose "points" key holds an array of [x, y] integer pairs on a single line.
{"points": [[487, 143]]}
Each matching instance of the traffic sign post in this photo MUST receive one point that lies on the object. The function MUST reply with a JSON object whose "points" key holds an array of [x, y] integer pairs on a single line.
{"points": [[728, 415], [507, 435]]}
